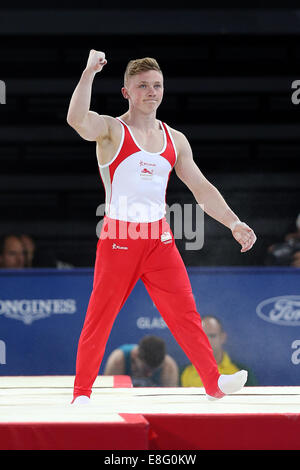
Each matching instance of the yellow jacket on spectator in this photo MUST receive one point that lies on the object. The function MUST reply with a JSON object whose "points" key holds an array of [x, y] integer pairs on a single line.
{"points": [[190, 377]]}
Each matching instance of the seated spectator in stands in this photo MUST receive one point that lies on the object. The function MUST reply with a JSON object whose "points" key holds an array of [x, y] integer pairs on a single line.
{"points": [[286, 253], [20, 251], [11, 252], [29, 249], [36, 258], [217, 338], [146, 363]]}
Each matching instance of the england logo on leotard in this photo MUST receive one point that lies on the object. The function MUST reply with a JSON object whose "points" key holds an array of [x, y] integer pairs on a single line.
{"points": [[166, 237], [146, 174]]}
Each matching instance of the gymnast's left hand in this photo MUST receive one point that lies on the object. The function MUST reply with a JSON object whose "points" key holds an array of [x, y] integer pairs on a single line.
{"points": [[244, 235]]}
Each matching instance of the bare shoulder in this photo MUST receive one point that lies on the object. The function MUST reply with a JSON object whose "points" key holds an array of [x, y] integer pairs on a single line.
{"points": [[180, 140], [113, 125], [185, 166], [176, 134], [115, 363], [108, 143], [170, 372], [95, 127], [111, 121], [169, 362]]}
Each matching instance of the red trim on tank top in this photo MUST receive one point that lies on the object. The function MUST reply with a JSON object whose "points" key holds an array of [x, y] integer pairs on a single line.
{"points": [[169, 152], [127, 149]]}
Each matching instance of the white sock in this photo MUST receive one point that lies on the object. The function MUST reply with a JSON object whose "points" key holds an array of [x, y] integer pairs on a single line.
{"points": [[230, 383], [233, 382], [81, 400]]}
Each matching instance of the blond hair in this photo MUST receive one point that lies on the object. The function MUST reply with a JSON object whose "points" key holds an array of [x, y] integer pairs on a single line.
{"points": [[137, 66]]}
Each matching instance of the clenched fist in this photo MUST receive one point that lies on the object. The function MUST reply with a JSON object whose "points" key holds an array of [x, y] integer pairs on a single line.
{"points": [[96, 61]]}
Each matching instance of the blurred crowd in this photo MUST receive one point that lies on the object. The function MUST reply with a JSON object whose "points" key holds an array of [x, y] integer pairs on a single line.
{"points": [[21, 251], [287, 252]]}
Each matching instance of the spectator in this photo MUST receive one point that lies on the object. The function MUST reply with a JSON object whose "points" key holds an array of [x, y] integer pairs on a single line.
{"points": [[286, 253], [217, 338], [21, 251], [11, 252], [29, 249], [146, 363], [36, 258]]}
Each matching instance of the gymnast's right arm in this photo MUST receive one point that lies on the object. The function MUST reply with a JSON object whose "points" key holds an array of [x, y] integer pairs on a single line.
{"points": [[89, 124]]}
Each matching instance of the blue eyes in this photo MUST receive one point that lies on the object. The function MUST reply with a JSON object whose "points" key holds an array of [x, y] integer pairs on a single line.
{"points": [[143, 85]]}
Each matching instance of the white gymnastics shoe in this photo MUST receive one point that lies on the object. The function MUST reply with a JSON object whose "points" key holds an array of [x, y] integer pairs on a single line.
{"points": [[81, 400], [231, 383]]}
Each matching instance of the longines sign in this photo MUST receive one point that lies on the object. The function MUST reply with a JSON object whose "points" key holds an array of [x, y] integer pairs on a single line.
{"points": [[29, 310]]}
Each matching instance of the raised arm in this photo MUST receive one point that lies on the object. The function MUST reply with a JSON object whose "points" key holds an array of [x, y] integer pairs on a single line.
{"points": [[208, 196], [89, 124]]}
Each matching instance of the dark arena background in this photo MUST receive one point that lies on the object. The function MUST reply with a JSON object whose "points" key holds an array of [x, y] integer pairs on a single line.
{"points": [[232, 86]]}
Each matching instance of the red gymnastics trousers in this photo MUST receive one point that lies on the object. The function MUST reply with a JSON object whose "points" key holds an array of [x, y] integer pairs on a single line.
{"points": [[127, 252]]}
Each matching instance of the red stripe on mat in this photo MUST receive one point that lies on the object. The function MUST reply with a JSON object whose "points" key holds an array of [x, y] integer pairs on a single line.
{"points": [[122, 381]]}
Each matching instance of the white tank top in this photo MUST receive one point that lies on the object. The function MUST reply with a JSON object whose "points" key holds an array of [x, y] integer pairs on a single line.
{"points": [[135, 180]]}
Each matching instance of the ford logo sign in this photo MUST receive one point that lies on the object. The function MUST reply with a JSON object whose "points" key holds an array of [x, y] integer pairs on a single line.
{"points": [[284, 310]]}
